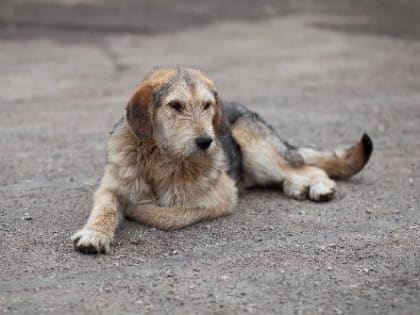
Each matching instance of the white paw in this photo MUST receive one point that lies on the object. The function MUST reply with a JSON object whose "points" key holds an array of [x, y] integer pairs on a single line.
{"points": [[296, 187], [91, 242], [322, 190]]}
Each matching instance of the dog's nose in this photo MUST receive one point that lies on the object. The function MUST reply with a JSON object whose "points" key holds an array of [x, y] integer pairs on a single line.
{"points": [[204, 142]]}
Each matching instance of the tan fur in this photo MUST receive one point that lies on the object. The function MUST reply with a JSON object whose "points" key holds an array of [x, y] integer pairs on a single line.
{"points": [[156, 181], [342, 163], [263, 165], [155, 173]]}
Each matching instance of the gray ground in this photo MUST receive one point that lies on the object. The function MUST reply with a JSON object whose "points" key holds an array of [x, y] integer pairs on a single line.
{"points": [[320, 72]]}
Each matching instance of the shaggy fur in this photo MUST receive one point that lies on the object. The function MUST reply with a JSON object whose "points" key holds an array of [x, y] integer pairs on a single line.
{"points": [[179, 155]]}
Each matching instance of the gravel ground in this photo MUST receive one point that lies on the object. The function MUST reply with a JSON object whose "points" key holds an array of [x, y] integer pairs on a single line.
{"points": [[319, 72]]}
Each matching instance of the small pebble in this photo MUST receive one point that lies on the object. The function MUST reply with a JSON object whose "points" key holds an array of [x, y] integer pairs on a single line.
{"points": [[26, 217]]}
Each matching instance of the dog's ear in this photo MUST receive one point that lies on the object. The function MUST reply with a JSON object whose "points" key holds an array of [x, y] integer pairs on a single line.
{"points": [[219, 121], [138, 112]]}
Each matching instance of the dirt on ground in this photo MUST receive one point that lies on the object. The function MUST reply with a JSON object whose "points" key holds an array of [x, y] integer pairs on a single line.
{"points": [[320, 72]]}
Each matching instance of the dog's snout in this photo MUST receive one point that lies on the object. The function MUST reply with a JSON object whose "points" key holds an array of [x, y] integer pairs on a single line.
{"points": [[203, 142]]}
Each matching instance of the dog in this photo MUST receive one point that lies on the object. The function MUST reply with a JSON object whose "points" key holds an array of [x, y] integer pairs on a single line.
{"points": [[180, 156]]}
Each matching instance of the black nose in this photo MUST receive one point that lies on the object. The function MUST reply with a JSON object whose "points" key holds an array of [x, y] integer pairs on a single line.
{"points": [[203, 143]]}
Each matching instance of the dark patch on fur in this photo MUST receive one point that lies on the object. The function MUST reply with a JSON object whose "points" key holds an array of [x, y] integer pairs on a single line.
{"points": [[184, 76], [294, 157], [164, 89], [232, 111], [160, 94], [292, 154], [233, 155], [367, 147]]}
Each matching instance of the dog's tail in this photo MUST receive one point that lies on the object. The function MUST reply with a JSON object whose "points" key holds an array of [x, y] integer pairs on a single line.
{"points": [[341, 163]]}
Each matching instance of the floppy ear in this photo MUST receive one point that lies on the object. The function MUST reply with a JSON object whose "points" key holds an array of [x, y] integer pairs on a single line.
{"points": [[138, 113], [219, 121]]}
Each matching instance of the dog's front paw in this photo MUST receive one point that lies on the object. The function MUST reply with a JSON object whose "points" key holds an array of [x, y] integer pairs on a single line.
{"points": [[91, 242]]}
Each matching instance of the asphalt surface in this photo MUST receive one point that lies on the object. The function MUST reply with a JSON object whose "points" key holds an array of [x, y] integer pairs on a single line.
{"points": [[319, 72]]}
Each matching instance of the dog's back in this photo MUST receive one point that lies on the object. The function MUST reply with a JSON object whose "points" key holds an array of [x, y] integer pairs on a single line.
{"points": [[252, 146]]}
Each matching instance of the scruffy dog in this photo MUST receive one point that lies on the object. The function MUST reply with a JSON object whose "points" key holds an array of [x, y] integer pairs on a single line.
{"points": [[180, 154]]}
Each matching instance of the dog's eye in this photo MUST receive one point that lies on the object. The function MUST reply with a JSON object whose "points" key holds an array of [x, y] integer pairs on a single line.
{"points": [[176, 106], [207, 105]]}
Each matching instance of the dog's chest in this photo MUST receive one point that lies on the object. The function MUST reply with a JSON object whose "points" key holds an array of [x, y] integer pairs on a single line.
{"points": [[182, 184]]}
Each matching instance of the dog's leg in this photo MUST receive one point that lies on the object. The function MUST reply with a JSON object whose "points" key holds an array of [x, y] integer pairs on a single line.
{"points": [[98, 232], [220, 200], [172, 218], [263, 162], [341, 163], [307, 181]]}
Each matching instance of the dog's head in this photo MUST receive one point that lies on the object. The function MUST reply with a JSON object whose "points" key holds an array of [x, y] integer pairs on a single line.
{"points": [[179, 109]]}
